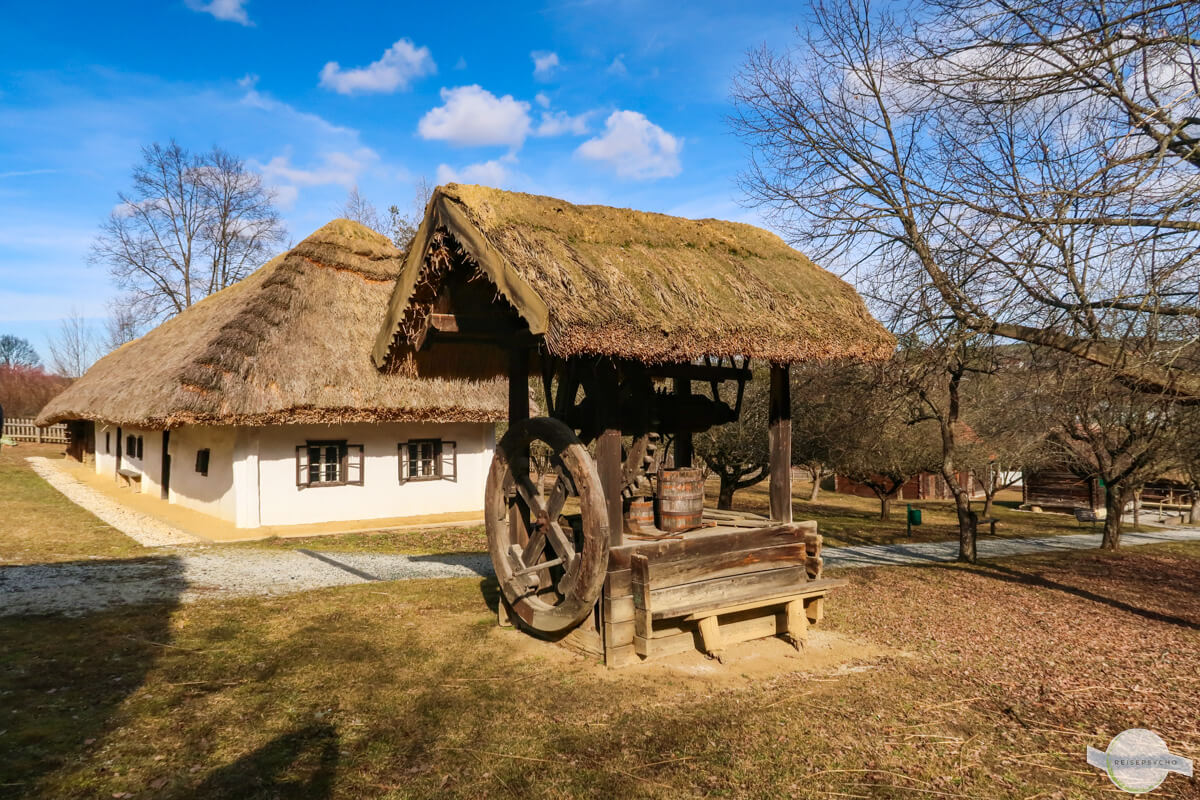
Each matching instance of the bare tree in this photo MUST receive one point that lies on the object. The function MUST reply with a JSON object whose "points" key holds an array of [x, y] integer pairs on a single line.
{"points": [[361, 210], [191, 226], [1032, 163], [738, 452], [17, 352], [1107, 430], [73, 347], [121, 326]]}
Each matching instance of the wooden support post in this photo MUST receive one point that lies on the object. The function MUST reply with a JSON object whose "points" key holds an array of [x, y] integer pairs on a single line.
{"points": [[710, 638], [684, 454], [608, 446], [781, 444], [518, 411], [797, 623]]}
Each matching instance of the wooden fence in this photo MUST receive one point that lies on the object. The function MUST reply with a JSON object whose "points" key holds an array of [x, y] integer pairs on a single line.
{"points": [[22, 429]]}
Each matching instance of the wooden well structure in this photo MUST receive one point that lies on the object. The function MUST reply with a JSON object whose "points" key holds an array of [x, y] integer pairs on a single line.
{"points": [[609, 321]]}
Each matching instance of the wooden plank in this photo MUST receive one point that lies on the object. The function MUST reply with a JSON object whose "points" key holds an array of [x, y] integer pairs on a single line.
{"points": [[617, 583], [723, 564], [709, 542], [735, 631], [642, 623], [700, 597], [815, 608], [618, 609], [621, 656], [617, 634], [750, 605], [780, 435]]}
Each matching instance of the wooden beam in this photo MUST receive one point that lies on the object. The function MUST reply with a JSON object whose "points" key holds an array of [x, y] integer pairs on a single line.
{"points": [[608, 446], [684, 453], [781, 443], [698, 372]]}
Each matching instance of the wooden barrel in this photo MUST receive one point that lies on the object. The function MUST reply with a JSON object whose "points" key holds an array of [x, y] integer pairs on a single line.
{"points": [[680, 499], [639, 515]]}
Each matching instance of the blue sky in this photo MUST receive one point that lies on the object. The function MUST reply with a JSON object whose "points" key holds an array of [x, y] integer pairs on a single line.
{"points": [[619, 103]]}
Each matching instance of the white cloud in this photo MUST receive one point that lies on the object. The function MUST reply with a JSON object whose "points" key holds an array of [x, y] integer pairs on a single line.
{"points": [[335, 168], [542, 99], [489, 173], [635, 147], [471, 115], [544, 64], [228, 10], [617, 67], [556, 123], [395, 69]]}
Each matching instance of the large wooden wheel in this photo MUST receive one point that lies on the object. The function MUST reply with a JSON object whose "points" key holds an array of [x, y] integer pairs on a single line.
{"points": [[550, 564]]}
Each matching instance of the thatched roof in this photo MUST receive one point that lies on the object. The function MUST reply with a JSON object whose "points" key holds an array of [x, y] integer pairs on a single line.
{"points": [[291, 343], [630, 284]]}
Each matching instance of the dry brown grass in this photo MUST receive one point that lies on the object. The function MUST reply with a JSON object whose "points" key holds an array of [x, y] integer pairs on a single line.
{"points": [[408, 689]]}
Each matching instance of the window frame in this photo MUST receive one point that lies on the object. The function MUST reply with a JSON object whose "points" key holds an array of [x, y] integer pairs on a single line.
{"points": [[203, 457], [351, 458], [441, 449]]}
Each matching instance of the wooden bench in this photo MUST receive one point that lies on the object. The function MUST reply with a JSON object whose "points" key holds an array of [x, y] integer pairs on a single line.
{"points": [[699, 590], [130, 476], [1088, 515]]}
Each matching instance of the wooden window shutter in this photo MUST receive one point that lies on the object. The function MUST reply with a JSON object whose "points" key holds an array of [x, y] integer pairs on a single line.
{"points": [[139, 447], [354, 464], [402, 450], [302, 465], [448, 461]]}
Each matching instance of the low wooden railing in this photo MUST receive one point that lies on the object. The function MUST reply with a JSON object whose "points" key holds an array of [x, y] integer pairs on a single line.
{"points": [[22, 429]]}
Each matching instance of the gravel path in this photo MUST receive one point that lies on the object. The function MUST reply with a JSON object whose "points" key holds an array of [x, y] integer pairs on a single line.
{"points": [[145, 530], [187, 574]]}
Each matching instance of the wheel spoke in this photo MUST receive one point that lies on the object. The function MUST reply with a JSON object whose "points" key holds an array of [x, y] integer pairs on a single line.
{"points": [[530, 494], [561, 543], [534, 549]]}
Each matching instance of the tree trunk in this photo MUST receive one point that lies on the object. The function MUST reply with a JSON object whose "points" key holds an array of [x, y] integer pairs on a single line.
{"points": [[987, 505], [1112, 518], [725, 495], [816, 485], [885, 507], [968, 524], [1194, 512]]}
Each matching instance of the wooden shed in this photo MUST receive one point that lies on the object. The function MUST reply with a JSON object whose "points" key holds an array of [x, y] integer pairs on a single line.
{"points": [[616, 314]]}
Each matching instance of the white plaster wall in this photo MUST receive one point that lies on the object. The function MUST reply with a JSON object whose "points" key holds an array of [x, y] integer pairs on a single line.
{"points": [[281, 502], [106, 462], [213, 494]]}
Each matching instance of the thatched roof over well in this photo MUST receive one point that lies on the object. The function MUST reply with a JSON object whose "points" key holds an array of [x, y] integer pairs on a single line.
{"points": [[289, 344], [630, 284]]}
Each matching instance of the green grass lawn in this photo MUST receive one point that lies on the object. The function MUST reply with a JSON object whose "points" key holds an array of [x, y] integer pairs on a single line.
{"points": [[956, 681]]}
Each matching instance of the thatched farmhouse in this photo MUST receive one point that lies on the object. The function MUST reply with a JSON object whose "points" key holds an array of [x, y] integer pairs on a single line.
{"points": [[260, 405]]}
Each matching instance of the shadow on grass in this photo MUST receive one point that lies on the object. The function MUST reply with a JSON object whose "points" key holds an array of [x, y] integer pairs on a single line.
{"points": [[1132, 578], [301, 764], [64, 679]]}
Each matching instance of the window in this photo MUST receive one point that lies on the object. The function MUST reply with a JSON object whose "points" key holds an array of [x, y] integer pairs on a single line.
{"points": [[202, 461], [139, 448], [107, 442], [329, 464], [131, 446], [428, 460]]}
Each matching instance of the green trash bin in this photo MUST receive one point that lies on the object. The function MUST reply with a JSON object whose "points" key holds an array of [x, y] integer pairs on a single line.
{"points": [[913, 518]]}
